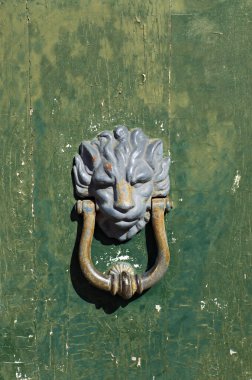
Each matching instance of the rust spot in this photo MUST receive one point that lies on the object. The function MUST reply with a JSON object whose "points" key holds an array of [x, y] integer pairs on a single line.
{"points": [[108, 166], [124, 199]]}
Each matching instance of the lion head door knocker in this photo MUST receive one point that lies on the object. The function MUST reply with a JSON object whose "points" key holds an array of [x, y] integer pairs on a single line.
{"points": [[122, 179]]}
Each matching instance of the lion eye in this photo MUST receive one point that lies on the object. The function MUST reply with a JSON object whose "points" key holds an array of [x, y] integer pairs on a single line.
{"points": [[139, 180], [141, 174], [103, 180], [105, 183], [137, 184]]}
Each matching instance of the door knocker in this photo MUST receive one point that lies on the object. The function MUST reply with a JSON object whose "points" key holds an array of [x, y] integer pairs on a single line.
{"points": [[122, 181]]}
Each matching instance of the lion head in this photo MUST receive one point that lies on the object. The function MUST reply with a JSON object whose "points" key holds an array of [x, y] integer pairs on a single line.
{"points": [[122, 170]]}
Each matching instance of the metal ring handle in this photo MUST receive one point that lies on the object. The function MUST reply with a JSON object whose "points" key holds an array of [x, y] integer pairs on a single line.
{"points": [[121, 279]]}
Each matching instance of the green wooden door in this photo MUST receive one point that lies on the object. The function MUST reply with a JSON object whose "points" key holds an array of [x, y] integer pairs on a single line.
{"points": [[181, 70]]}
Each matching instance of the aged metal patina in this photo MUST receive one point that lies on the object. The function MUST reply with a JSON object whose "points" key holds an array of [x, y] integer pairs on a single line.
{"points": [[125, 179]]}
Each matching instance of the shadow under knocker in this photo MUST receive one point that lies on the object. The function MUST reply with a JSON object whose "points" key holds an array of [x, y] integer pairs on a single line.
{"points": [[91, 293], [121, 181]]}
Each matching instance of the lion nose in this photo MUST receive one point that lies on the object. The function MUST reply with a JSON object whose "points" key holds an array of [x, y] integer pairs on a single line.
{"points": [[123, 196], [123, 206]]}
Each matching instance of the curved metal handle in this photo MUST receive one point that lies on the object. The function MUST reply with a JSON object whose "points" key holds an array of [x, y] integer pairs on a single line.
{"points": [[121, 278]]}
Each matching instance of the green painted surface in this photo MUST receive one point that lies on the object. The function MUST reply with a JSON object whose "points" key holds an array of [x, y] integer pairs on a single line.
{"points": [[181, 70]]}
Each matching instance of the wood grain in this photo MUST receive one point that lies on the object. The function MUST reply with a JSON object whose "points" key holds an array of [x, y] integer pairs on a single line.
{"points": [[181, 71]]}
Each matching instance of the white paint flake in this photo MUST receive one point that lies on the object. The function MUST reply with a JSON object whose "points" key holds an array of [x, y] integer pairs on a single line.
{"points": [[236, 183], [18, 373], [232, 352], [136, 265], [173, 240], [202, 305], [138, 360], [18, 361], [94, 127], [20, 376], [158, 308], [120, 258], [219, 305]]}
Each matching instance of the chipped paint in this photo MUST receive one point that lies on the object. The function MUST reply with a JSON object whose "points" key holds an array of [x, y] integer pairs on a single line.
{"points": [[158, 308], [53, 48], [236, 183]]}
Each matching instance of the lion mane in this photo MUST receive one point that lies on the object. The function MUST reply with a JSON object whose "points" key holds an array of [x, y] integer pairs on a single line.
{"points": [[127, 158]]}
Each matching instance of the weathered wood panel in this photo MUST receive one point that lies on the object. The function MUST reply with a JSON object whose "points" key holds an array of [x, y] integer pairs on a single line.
{"points": [[180, 70]]}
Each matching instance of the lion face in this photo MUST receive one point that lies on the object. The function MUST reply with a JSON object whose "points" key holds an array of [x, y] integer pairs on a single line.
{"points": [[122, 171]]}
